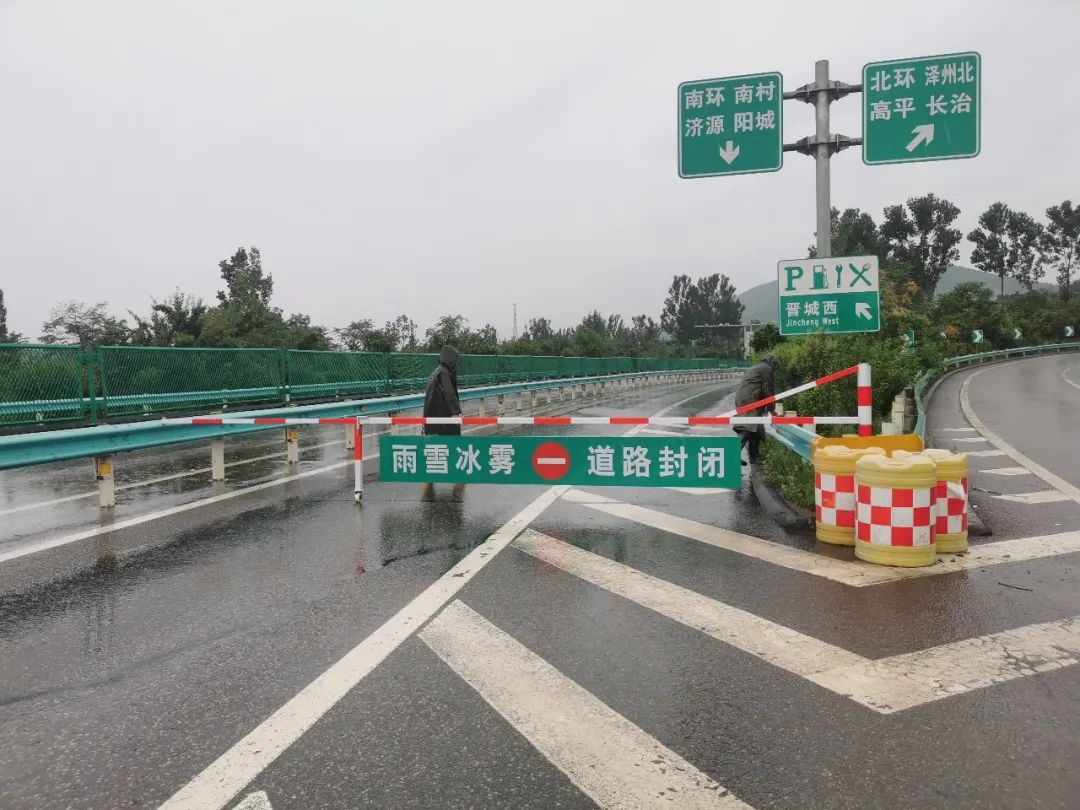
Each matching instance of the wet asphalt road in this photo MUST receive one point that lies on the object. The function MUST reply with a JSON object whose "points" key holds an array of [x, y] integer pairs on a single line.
{"points": [[119, 686]]}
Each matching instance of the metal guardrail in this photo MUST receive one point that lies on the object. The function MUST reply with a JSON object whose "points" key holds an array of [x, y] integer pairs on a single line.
{"points": [[25, 449], [40, 384], [797, 439]]}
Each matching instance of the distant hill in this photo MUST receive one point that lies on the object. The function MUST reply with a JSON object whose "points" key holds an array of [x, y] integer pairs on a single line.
{"points": [[760, 301]]}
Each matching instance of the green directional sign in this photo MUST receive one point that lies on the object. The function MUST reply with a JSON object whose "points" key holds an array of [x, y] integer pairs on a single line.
{"points": [[927, 108], [977, 336], [839, 294], [732, 125], [1069, 331], [580, 461], [1017, 334], [909, 337]]}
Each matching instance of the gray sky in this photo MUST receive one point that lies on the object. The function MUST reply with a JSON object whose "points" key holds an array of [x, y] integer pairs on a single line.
{"points": [[435, 157]]}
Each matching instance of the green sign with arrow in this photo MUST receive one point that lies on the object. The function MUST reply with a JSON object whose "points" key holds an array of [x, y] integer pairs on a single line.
{"points": [[977, 336], [732, 125], [1017, 334], [1069, 332], [926, 108], [839, 294]]}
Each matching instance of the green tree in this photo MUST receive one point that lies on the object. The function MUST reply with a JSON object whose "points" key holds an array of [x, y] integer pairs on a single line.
{"points": [[965, 308], [88, 325], [765, 337], [1022, 258], [351, 337], [689, 306], [854, 233], [990, 239], [175, 321], [1060, 244], [448, 329], [920, 236]]}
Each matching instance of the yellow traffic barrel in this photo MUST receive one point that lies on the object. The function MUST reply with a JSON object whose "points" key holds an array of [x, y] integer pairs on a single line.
{"points": [[894, 510], [834, 492]]}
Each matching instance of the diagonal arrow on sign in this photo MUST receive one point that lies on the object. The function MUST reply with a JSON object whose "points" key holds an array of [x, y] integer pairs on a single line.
{"points": [[729, 151], [862, 310], [924, 133]]}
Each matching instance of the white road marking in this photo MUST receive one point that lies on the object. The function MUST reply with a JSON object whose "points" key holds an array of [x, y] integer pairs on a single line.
{"points": [[159, 480], [228, 774], [901, 682], [1007, 471], [957, 430], [658, 432], [255, 801], [1057, 482], [855, 573], [780, 646], [984, 453], [702, 490], [886, 685], [966, 440], [1065, 377], [607, 757], [1045, 496]]}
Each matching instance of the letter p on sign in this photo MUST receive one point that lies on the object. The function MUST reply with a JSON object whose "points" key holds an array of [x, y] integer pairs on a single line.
{"points": [[792, 272]]}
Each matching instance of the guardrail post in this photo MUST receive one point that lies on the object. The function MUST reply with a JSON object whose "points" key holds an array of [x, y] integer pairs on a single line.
{"points": [[103, 469], [562, 393], [217, 459], [394, 429], [533, 396], [480, 408], [500, 409], [292, 445], [521, 400], [865, 398]]}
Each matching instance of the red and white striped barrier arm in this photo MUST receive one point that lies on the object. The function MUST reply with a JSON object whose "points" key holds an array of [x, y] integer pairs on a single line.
{"points": [[539, 421]]}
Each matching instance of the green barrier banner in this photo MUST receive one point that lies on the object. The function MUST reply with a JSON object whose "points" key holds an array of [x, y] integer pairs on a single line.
{"points": [[580, 461]]}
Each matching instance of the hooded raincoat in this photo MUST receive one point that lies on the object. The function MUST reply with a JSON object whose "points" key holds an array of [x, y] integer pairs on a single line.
{"points": [[441, 398], [757, 383]]}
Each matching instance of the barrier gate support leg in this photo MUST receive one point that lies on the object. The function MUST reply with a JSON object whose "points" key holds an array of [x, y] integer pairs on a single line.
{"points": [[103, 469], [292, 445], [865, 400], [358, 461]]}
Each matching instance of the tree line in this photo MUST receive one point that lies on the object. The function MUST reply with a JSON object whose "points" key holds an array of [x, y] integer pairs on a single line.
{"points": [[244, 317]]}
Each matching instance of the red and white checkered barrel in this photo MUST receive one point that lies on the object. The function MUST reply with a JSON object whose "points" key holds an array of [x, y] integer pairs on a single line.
{"points": [[895, 510], [952, 500], [834, 492]]}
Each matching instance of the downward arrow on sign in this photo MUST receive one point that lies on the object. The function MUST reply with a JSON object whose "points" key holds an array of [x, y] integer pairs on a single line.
{"points": [[862, 310], [729, 151]]}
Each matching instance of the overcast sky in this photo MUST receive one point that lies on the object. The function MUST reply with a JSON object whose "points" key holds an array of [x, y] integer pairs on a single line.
{"points": [[434, 157]]}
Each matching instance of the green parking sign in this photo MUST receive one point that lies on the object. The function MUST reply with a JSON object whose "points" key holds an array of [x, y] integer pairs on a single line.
{"points": [[622, 461]]}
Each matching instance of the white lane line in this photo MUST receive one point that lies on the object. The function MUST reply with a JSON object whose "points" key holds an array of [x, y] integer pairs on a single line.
{"points": [[1065, 377], [658, 432], [855, 573], [904, 681], [780, 646], [1057, 482], [228, 774], [1007, 471], [614, 762], [984, 453], [255, 801], [1045, 496], [160, 479], [973, 440], [886, 685], [957, 430], [702, 490]]}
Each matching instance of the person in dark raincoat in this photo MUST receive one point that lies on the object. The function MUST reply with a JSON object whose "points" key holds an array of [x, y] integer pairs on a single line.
{"points": [[441, 398], [757, 383]]}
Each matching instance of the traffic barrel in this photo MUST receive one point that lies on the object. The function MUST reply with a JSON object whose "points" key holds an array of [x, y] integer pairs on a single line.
{"points": [[834, 492], [951, 525], [894, 510]]}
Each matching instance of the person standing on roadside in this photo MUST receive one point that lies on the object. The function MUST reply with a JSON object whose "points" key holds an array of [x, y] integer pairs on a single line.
{"points": [[757, 384], [441, 399]]}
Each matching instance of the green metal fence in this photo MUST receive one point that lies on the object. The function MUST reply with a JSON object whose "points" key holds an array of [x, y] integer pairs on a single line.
{"points": [[62, 383], [44, 383], [137, 379]]}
